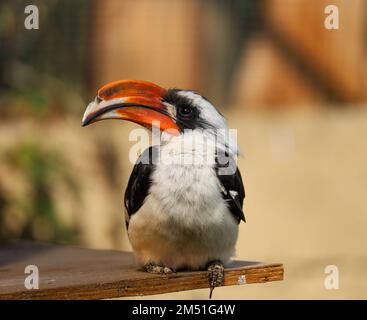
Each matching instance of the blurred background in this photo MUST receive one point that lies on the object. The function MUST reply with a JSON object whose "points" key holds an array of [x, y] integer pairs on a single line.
{"points": [[295, 91]]}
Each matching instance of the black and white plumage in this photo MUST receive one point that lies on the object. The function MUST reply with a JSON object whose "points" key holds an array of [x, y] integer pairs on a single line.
{"points": [[231, 186], [182, 211]]}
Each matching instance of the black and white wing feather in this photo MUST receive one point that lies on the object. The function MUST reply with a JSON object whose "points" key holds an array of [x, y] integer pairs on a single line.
{"points": [[232, 189], [139, 183]]}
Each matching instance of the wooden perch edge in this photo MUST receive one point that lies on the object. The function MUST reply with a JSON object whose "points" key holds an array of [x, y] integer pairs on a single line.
{"points": [[77, 273]]}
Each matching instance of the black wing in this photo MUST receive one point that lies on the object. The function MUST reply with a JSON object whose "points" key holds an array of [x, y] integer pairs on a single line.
{"points": [[232, 189], [139, 183]]}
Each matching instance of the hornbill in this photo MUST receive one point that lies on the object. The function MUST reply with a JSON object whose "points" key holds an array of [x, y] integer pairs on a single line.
{"points": [[184, 197]]}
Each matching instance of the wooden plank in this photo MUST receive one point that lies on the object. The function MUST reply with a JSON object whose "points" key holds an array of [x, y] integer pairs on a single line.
{"points": [[77, 273]]}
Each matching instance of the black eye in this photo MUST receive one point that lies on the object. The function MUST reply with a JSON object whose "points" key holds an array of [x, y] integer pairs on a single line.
{"points": [[185, 111]]}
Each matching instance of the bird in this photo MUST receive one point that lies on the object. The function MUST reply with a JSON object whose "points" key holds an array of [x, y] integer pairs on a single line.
{"points": [[184, 198]]}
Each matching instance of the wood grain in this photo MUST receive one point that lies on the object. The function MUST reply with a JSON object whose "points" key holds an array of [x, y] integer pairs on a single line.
{"points": [[77, 273]]}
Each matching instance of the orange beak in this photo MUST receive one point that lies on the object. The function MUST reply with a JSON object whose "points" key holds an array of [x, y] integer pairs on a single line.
{"points": [[133, 100]]}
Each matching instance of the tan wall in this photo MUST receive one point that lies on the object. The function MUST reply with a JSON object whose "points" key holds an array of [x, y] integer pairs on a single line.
{"points": [[185, 44], [266, 76], [148, 40]]}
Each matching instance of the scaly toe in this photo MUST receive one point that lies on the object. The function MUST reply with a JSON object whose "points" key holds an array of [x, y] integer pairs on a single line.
{"points": [[157, 269]]}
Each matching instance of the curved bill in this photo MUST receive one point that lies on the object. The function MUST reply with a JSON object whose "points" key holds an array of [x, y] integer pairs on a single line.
{"points": [[133, 100]]}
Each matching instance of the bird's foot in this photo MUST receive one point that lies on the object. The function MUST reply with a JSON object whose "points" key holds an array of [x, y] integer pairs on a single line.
{"points": [[215, 275], [155, 268]]}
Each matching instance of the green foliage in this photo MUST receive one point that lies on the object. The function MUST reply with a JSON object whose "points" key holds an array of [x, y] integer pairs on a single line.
{"points": [[40, 169]]}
